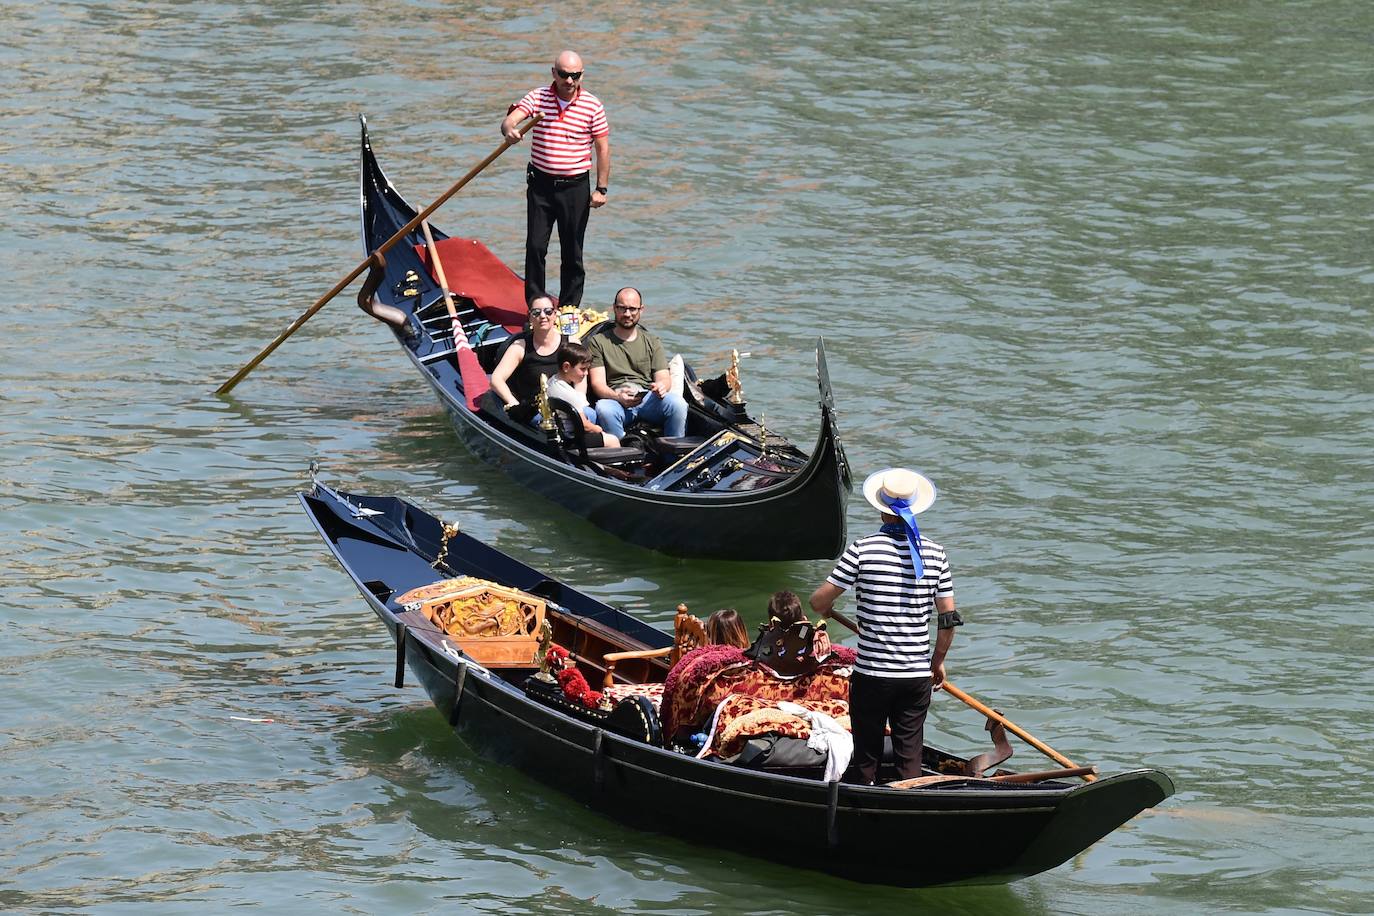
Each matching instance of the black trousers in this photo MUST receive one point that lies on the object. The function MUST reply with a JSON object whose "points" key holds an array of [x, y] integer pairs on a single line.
{"points": [[874, 702], [565, 203]]}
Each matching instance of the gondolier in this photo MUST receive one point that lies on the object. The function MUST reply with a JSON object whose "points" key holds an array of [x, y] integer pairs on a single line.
{"points": [[899, 577], [558, 190]]}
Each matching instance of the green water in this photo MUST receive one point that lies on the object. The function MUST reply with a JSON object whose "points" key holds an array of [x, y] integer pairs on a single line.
{"points": [[1101, 271]]}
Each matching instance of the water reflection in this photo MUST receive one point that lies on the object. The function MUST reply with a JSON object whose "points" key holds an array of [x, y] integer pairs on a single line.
{"points": [[1101, 271]]}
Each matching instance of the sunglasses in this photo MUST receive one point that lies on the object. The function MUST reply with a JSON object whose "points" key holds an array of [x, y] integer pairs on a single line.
{"points": [[544, 311], [568, 75]]}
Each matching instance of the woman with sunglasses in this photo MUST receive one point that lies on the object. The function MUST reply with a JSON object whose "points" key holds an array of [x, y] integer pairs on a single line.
{"points": [[534, 353]]}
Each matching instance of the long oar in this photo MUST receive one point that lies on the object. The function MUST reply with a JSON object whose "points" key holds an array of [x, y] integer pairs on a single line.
{"points": [[443, 280], [353, 275], [993, 714], [1015, 729]]}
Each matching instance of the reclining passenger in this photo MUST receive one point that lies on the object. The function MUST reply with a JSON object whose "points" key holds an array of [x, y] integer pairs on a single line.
{"points": [[786, 607], [570, 386], [534, 353], [726, 628]]}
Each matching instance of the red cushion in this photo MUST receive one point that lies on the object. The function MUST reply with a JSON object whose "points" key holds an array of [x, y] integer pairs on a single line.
{"points": [[475, 381], [473, 271]]}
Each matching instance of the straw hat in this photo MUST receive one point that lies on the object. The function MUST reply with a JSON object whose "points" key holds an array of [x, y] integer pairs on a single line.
{"points": [[882, 488]]}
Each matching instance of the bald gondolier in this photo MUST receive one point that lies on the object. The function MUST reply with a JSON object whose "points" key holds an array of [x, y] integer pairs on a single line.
{"points": [[558, 189], [900, 580]]}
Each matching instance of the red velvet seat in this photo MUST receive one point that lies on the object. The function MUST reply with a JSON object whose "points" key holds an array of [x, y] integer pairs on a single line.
{"points": [[475, 273]]}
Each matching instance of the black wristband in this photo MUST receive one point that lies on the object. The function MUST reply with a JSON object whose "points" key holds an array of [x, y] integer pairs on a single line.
{"points": [[601, 189], [950, 621]]}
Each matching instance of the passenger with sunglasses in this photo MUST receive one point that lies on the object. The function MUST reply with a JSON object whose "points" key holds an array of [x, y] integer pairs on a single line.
{"points": [[558, 191], [525, 358]]}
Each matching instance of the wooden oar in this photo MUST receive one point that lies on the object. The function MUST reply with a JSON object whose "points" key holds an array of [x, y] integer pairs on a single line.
{"points": [[1088, 772], [353, 275], [443, 280], [469, 369], [921, 782], [1015, 729], [854, 627]]}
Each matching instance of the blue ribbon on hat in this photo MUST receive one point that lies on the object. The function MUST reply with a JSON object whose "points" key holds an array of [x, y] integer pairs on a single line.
{"points": [[902, 509]]}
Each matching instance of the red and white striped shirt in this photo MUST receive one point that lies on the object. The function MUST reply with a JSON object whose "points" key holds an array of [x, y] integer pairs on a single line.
{"points": [[562, 142]]}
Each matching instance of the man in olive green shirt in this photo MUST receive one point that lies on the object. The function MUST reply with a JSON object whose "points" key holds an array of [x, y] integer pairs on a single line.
{"points": [[630, 375]]}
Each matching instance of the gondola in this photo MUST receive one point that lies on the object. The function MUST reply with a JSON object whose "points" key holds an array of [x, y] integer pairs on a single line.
{"points": [[729, 489], [622, 757]]}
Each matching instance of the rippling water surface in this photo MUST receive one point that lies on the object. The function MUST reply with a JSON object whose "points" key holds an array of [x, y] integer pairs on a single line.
{"points": [[1102, 271]]}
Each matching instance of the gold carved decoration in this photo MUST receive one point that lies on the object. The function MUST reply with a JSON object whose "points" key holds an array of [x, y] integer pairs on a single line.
{"points": [[541, 655], [541, 402], [494, 625], [736, 395], [450, 532], [574, 321]]}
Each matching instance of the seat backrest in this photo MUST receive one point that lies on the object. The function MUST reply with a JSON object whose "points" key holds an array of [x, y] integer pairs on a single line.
{"points": [[570, 428], [786, 649], [497, 626]]}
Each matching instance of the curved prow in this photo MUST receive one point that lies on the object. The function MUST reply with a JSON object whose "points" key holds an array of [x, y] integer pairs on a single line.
{"points": [[829, 426]]}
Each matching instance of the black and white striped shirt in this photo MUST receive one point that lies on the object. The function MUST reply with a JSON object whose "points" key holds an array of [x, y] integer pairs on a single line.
{"points": [[894, 608]]}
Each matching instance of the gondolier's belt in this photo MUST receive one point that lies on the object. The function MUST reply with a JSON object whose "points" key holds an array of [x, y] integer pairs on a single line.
{"points": [[557, 181]]}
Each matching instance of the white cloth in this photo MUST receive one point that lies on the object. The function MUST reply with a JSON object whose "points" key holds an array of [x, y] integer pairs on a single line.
{"points": [[826, 735], [676, 374], [561, 390]]}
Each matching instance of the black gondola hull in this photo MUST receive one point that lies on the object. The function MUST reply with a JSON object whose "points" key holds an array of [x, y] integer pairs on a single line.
{"points": [[780, 523], [880, 835]]}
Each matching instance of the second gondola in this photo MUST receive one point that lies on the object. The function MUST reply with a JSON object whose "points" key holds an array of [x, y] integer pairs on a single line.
{"points": [[729, 489]]}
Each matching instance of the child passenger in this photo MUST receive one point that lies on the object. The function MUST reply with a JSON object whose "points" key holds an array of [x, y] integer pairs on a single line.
{"points": [[570, 386], [786, 608]]}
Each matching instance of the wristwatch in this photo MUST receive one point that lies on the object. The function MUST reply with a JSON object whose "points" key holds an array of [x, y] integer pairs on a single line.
{"points": [[601, 189]]}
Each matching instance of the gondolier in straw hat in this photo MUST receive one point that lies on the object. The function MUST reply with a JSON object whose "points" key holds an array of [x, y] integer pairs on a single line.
{"points": [[558, 190], [899, 577]]}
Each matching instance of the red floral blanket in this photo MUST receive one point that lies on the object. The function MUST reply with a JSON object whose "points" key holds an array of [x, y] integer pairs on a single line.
{"points": [[740, 718], [618, 692], [706, 676]]}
